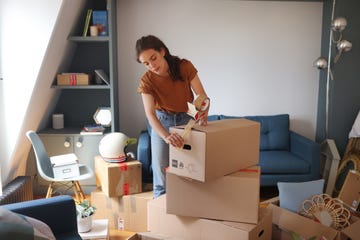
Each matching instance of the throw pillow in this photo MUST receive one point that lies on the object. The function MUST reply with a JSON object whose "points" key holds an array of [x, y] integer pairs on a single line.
{"points": [[17, 226], [292, 194]]}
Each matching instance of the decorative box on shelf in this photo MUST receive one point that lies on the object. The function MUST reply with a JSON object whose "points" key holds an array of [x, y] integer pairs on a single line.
{"points": [[73, 79]]}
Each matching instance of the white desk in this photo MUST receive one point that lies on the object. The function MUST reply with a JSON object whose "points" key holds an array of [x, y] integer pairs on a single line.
{"points": [[99, 230]]}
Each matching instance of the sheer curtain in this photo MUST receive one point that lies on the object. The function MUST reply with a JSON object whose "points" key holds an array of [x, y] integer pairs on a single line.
{"points": [[25, 31]]}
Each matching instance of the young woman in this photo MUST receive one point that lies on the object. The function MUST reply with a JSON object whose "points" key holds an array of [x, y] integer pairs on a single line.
{"points": [[165, 88]]}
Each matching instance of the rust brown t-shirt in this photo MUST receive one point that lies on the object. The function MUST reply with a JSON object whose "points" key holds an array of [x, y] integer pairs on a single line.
{"points": [[169, 95]]}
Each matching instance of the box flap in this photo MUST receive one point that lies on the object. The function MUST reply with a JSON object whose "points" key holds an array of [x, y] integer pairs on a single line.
{"points": [[220, 125], [289, 221], [353, 231], [151, 236], [64, 159]]}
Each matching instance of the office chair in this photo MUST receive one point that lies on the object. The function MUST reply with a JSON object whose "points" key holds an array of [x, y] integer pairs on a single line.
{"points": [[45, 169]]}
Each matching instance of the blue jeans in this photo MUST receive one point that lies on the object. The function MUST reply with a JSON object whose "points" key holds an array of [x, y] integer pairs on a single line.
{"points": [[160, 149]]}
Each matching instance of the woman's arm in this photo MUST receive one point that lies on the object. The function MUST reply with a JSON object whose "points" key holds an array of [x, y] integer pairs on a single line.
{"points": [[198, 88], [174, 139]]}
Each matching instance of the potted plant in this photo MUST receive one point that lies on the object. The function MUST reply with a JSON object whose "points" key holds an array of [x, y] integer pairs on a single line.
{"points": [[84, 211]]}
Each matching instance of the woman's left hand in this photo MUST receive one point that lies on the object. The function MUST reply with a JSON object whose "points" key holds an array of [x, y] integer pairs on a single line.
{"points": [[175, 140]]}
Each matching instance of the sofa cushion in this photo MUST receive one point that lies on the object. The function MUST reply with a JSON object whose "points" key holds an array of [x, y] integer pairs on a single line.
{"points": [[282, 162], [274, 131]]}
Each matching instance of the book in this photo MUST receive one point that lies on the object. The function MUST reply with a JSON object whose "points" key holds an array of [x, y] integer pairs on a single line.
{"points": [[91, 133], [100, 75], [92, 129], [100, 19], [87, 22]]}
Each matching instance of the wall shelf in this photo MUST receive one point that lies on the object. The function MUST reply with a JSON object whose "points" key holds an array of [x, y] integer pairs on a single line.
{"points": [[82, 87]]}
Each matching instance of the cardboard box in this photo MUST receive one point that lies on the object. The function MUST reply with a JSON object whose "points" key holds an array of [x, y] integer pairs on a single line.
{"points": [[285, 221], [191, 228], [350, 191], [151, 236], [65, 166], [127, 213], [118, 179], [234, 197], [215, 150], [73, 79]]}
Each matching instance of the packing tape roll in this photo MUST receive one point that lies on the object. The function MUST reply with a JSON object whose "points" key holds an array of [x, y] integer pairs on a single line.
{"points": [[201, 104]]}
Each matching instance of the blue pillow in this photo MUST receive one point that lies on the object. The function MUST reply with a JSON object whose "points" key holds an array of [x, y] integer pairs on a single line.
{"points": [[292, 194]]}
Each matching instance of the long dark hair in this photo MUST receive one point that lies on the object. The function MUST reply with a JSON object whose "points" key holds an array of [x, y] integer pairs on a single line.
{"points": [[152, 42]]}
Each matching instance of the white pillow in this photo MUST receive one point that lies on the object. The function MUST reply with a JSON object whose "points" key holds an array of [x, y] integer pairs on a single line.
{"points": [[292, 194]]}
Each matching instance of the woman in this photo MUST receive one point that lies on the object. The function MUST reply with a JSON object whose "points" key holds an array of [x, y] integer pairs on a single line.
{"points": [[165, 89]]}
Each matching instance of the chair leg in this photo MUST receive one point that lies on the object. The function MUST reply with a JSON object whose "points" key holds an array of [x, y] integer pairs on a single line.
{"points": [[50, 190], [79, 194]]}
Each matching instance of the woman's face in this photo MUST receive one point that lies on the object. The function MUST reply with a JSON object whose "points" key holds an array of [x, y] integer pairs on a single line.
{"points": [[155, 61]]}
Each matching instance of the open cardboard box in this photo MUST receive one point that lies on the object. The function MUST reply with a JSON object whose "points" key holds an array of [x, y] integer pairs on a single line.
{"points": [[285, 221], [350, 191]]}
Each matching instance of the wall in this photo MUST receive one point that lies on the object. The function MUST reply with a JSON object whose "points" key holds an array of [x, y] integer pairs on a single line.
{"points": [[344, 103], [253, 57]]}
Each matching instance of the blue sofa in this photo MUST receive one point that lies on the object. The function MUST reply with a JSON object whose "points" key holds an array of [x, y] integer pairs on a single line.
{"points": [[285, 156], [58, 213]]}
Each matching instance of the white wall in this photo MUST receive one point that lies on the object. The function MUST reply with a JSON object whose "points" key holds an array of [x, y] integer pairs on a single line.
{"points": [[253, 57]]}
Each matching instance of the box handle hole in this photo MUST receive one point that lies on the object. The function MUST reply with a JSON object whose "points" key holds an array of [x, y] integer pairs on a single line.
{"points": [[187, 147]]}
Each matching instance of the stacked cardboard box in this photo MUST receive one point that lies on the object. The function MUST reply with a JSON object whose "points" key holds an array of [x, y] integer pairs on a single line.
{"points": [[118, 197], [213, 185], [194, 228], [118, 179], [127, 212]]}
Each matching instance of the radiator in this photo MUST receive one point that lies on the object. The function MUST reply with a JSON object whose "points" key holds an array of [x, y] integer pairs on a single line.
{"points": [[18, 190]]}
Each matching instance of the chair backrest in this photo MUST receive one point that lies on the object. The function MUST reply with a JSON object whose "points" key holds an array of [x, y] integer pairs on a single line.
{"points": [[42, 159]]}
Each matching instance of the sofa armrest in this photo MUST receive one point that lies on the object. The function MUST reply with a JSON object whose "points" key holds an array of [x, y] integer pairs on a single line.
{"points": [[144, 155], [58, 213], [308, 150]]}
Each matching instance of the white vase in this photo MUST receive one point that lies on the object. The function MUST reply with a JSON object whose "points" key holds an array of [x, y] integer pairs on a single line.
{"points": [[84, 224]]}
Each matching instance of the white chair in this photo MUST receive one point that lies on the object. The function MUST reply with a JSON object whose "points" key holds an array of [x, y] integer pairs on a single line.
{"points": [[45, 169]]}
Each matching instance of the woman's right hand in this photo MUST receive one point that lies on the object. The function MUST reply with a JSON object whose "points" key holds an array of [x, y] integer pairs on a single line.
{"points": [[175, 140]]}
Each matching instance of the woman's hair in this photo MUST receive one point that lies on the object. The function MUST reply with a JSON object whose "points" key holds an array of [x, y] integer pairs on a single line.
{"points": [[152, 42]]}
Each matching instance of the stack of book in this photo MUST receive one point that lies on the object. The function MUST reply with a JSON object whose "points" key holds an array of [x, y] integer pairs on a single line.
{"points": [[92, 129]]}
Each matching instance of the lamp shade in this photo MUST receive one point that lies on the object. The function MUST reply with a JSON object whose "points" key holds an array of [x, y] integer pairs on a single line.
{"points": [[339, 24], [321, 63], [344, 45]]}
